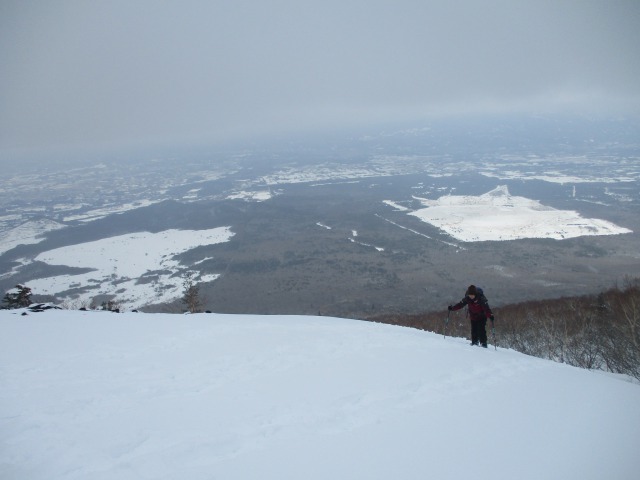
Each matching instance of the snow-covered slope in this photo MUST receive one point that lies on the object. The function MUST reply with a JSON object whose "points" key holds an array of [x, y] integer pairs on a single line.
{"points": [[96, 395]]}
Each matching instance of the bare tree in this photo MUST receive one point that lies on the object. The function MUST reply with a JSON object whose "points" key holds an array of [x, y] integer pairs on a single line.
{"points": [[76, 304], [621, 337], [191, 295]]}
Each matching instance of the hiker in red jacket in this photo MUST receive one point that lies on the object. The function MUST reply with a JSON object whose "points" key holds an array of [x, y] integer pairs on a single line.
{"points": [[479, 311]]}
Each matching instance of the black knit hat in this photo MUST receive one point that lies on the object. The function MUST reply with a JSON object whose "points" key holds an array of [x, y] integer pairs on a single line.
{"points": [[472, 290]]}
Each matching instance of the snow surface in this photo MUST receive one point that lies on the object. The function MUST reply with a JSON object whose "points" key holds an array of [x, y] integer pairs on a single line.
{"points": [[497, 215], [28, 233], [96, 395], [118, 262], [105, 211], [397, 206], [256, 196]]}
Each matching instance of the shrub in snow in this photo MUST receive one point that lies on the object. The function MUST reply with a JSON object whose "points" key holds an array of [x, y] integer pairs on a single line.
{"points": [[17, 297], [111, 305]]}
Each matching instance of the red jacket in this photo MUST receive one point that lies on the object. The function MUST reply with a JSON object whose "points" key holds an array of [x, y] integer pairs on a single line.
{"points": [[478, 308]]}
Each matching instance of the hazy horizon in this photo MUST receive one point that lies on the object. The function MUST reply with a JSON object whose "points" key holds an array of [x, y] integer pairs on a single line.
{"points": [[80, 75]]}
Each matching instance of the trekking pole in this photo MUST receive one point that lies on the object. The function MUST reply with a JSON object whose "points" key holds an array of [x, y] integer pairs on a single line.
{"points": [[446, 322], [493, 332]]}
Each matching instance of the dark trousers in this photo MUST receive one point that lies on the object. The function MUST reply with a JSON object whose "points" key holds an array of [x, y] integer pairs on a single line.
{"points": [[479, 331]]}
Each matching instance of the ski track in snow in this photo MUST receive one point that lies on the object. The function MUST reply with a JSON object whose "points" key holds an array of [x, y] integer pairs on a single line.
{"points": [[102, 396]]}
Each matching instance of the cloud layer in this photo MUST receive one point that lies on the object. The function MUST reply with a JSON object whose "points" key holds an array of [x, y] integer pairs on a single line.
{"points": [[118, 72]]}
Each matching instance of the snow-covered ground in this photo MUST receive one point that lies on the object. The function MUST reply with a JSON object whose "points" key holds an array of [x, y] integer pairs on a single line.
{"points": [[27, 233], [103, 212], [561, 169], [497, 215], [96, 395], [256, 196], [397, 206], [118, 263]]}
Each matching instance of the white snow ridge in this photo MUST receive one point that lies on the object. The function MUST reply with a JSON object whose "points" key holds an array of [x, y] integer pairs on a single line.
{"points": [[103, 396], [497, 215]]}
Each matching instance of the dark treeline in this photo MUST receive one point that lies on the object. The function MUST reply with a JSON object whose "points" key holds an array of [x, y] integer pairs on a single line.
{"points": [[595, 331]]}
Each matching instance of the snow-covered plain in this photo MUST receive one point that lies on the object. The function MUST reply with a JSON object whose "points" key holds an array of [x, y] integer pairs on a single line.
{"points": [[103, 212], [29, 232], [118, 263], [497, 215], [256, 196], [96, 395]]}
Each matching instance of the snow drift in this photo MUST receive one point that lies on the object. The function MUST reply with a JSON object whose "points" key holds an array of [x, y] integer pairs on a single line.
{"points": [[96, 395]]}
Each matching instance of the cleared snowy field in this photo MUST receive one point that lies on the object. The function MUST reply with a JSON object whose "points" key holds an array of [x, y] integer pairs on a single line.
{"points": [[497, 215], [96, 395], [28, 233], [118, 262]]}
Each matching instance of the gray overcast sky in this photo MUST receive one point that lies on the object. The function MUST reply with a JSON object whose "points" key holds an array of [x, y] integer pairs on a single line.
{"points": [[76, 73]]}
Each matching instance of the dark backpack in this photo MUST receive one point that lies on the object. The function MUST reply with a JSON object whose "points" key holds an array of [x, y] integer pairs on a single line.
{"points": [[481, 297]]}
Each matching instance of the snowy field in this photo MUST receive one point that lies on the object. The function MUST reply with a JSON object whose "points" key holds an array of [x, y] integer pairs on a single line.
{"points": [[497, 215], [118, 262], [28, 233], [96, 395]]}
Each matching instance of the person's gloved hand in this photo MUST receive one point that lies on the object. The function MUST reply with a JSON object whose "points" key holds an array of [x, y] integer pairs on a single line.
{"points": [[492, 318], [450, 307]]}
